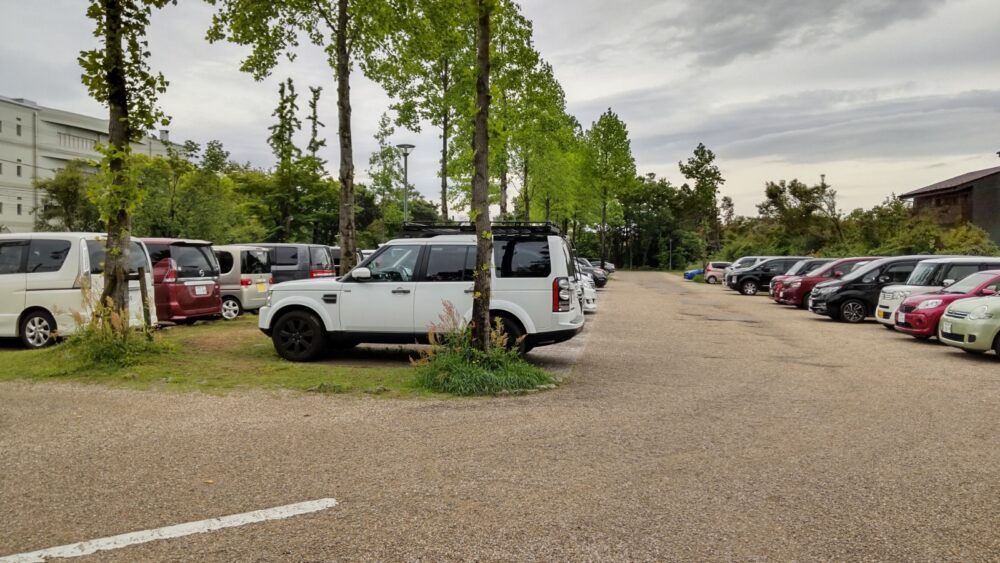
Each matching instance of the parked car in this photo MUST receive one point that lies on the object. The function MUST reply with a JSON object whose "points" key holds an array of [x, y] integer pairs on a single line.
{"points": [[335, 254], [742, 263], [600, 276], [972, 325], [795, 290], [608, 266], [853, 297], [587, 292], [690, 274], [185, 279], [800, 268], [715, 271], [748, 281], [244, 278], [930, 275], [47, 277], [396, 295], [920, 315], [299, 261]]}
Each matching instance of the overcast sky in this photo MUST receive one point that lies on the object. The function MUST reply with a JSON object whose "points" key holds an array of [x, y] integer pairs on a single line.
{"points": [[881, 96]]}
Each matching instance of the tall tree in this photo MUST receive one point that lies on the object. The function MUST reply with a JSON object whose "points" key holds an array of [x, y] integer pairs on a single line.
{"points": [[66, 206], [349, 31], [480, 182], [615, 165], [702, 197], [117, 74]]}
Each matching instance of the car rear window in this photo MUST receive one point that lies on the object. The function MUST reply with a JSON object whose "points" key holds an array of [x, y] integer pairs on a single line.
{"points": [[256, 262], [286, 256], [12, 256], [319, 258], [522, 258], [226, 261], [193, 261], [97, 251], [47, 255]]}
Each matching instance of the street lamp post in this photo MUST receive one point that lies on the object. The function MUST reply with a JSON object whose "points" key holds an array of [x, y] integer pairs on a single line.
{"points": [[406, 149]]}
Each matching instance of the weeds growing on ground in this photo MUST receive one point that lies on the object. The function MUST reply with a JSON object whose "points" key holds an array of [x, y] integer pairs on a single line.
{"points": [[454, 365], [103, 337]]}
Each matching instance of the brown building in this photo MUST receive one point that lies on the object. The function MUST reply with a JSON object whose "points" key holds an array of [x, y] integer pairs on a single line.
{"points": [[972, 197]]}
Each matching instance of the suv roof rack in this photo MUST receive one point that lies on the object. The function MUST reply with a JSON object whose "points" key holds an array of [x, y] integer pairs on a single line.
{"points": [[500, 228]]}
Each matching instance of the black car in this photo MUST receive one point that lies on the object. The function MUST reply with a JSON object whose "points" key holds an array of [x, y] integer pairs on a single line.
{"points": [[749, 281], [600, 276], [854, 297], [294, 261]]}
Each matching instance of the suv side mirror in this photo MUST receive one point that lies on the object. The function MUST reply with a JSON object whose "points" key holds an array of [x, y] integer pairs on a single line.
{"points": [[361, 274], [838, 274], [985, 292], [946, 283], [884, 279]]}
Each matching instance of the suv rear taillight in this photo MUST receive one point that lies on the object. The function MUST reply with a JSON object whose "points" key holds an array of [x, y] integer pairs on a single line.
{"points": [[171, 275], [561, 295], [320, 273], [246, 282]]}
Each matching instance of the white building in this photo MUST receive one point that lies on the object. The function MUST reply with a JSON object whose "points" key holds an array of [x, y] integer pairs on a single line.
{"points": [[35, 141]]}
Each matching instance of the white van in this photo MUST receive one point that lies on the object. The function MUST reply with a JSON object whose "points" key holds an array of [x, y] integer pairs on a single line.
{"points": [[42, 276], [396, 294], [930, 275]]}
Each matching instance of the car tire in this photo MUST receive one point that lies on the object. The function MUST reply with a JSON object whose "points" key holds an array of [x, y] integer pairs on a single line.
{"points": [[37, 330], [514, 334], [712, 280], [749, 287], [299, 336], [231, 308], [852, 311]]}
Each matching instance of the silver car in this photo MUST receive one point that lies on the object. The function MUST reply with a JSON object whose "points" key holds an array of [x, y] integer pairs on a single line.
{"points": [[245, 278]]}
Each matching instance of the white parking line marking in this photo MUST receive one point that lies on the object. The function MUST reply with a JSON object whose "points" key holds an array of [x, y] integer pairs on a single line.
{"points": [[168, 532]]}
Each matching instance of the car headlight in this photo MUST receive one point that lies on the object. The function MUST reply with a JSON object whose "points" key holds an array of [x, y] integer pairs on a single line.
{"points": [[979, 313], [795, 285], [930, 304], [267, 299]]}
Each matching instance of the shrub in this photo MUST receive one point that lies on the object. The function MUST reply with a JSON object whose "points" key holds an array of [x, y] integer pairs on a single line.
{"points": [[104, 338], [700, 278], [454, 365]]}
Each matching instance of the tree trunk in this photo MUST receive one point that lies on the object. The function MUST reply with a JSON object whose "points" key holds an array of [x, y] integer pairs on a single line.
{"points": [[348, 243], [548, 207], [604, 222], [119, 223], [503, 192], [444, 140], [480, 185], [524, 191]]}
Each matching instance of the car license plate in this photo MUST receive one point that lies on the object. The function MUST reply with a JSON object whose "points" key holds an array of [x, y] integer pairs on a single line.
{"points": [[900, 317], [946, 327], [881, 314], [201, 290], [261, 287]]}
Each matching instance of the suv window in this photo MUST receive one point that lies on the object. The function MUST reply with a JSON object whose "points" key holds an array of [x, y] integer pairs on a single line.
{"points": [[97, 251], [449, 263], [192, 261], [320, 257], [522, 258], [959, 272], [844, 268], [12, 256], [47, 255], [394, 264], [286, 256], [899, 273], [255, 262], [226, 261]]}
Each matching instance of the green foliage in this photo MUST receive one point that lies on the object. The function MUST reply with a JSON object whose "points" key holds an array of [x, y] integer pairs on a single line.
{"points": [[455, 365], [65, 205], [700, 278]]}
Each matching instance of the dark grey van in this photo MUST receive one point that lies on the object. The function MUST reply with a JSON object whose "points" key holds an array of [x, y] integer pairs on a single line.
{"points": [[294, 261]]}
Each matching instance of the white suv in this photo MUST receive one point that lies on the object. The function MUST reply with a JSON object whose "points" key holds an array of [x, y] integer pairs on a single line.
{"points": [[396, 294]]}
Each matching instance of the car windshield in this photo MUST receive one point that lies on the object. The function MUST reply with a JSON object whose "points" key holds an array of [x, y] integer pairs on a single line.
{"points": [[860, 272], [796, 268], [969, 283], [743, 263], [819, 270], [926, 273]]}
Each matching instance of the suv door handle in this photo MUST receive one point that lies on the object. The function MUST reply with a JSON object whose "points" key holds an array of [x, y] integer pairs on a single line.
{"points": [[400, 290]]}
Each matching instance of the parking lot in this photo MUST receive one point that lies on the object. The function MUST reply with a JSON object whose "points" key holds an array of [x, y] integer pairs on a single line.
{"points": [[696, 424]]}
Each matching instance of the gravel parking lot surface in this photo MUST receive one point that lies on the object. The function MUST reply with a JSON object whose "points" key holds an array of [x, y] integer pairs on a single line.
{"points": [[698, 424]]}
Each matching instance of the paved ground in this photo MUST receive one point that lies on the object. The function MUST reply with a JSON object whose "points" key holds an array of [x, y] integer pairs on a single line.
{"points": [[698, 425]]}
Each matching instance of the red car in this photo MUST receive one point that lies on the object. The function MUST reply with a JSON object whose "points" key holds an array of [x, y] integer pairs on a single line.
{"points": [[919, 315], [800, 268], [795, 290], [185, 279]]}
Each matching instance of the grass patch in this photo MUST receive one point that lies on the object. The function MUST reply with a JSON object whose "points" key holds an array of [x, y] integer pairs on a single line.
{"points": [[698, 279], [217, 357]]}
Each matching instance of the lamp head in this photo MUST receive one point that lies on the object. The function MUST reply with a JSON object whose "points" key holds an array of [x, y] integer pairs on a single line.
{"points": [[406, 148]]}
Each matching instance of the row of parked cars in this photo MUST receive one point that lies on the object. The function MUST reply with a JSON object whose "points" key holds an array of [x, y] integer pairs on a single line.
{"points": [[952, 298], [47, 279]]}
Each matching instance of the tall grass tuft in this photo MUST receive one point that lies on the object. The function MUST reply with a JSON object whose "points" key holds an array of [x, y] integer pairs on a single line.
{"points": [[454, 365], [103, 337]]}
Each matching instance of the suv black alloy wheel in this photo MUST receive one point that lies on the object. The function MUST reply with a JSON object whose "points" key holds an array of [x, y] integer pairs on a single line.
{"points": [[299, 336]]}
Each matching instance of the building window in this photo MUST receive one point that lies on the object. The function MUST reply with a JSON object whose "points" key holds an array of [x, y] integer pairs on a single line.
{"points": [[17, 127], [19, 209], [19, 168], [1, 208], [1, 126]]}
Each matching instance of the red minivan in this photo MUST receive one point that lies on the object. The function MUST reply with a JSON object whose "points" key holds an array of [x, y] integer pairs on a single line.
{"points": [[795, 290], [919, 315], [185, 279]]}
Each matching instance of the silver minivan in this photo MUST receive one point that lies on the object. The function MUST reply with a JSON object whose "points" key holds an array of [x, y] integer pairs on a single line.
{"points": [[245, 278]]}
